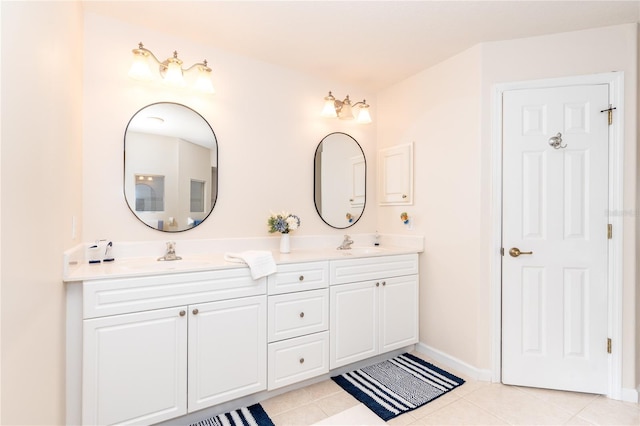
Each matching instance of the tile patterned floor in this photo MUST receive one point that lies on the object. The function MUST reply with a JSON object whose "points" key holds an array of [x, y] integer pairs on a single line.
{"points": [[474, 403]]}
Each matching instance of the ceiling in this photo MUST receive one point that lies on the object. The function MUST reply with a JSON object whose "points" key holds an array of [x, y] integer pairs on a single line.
{"points": [[369, 44]]}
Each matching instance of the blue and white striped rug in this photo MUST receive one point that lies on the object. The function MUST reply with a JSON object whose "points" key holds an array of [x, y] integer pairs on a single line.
{"points": [[246, 416], [398, 385]]}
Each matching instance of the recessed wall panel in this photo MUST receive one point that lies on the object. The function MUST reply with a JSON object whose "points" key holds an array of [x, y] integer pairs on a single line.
{"points": [[534, 120], [534, 187], [533, 310], [576, 194], [576, 118], [576, 315]]}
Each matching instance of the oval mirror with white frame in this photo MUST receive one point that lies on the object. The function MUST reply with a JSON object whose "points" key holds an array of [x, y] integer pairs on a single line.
{"points": [[340, 174], [170, 167]]}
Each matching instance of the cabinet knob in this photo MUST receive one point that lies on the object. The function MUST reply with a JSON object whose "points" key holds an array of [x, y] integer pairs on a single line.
{"points": [[301, 277], [384, 283], [195, 311], [301, 360], [377, 284], [182, 313], [404, 196], [301, 314]]}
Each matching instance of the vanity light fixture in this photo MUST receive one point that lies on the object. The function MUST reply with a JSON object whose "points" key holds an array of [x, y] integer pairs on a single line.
{"points": [[171, 70], [334, 108]]}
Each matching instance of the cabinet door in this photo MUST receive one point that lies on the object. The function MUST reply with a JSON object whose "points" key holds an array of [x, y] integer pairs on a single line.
{"points": [[395, 171], [227, 350], [135, 367], [398, 312], [353, 322]]}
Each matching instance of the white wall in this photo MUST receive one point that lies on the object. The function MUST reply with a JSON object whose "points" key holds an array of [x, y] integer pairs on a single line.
{"points": [[41, 191], [266, 120], [446, 111]]}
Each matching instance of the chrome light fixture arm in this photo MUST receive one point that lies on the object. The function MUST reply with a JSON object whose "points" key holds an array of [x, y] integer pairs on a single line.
{"points": [[343, 109], [171, 69]]}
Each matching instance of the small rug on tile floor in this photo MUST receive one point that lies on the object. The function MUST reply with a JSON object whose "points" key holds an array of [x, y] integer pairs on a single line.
{"points": [[398, 385], [246, 416]]}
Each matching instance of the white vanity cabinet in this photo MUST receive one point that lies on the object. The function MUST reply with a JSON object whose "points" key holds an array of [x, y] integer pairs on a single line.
{"points": [[373, 306], [227, 356], [155, 348], [298, 323], [134, 367]]}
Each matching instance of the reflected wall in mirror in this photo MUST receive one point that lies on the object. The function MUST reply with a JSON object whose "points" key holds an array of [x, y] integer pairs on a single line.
{"points": [[340, 173], [170, 167]]}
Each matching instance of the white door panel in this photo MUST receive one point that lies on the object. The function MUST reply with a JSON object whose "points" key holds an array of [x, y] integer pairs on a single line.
{"points": [[554, 205]]}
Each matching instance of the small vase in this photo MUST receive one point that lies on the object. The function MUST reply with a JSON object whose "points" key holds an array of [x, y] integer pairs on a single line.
{"points": [[285, 244]]}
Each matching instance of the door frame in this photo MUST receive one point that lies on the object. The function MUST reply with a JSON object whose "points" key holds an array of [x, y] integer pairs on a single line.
{"points": [[615, 80]]}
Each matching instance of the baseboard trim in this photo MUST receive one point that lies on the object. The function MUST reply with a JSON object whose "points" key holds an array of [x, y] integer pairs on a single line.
{"points": [[631, 395], [454, 363]]}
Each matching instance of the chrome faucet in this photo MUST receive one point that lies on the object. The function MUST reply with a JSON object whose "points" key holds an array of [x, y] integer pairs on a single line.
{"points": [[346, 244], [171, 252]]}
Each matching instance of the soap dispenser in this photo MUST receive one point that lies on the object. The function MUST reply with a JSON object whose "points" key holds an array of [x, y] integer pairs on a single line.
{"points": [[108, 255]]}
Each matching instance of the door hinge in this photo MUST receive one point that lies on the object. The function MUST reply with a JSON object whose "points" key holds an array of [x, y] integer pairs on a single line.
{"points": [[609, 231], [609, 112], [608, 345], [502, 251]]}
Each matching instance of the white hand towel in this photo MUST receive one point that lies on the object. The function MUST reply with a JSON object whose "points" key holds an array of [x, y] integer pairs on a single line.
{"points": [[260, 262]]}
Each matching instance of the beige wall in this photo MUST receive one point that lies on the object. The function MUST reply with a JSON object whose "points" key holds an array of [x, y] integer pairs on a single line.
{"points": [[447, 111], [62, 132], [41, 165], [438, 110], [266, 120], [637, 215]]}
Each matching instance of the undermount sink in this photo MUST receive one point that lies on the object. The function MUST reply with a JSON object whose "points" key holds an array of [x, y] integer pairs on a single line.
{"points": [[359, 251]]}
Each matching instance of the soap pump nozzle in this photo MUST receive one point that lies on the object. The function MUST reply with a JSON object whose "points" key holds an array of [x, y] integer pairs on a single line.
{"points": [[108, 255]]}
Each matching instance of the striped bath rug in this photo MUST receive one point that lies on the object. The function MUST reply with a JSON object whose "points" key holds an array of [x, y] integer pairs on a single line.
{"points": [[398, 385], [246, 416]]}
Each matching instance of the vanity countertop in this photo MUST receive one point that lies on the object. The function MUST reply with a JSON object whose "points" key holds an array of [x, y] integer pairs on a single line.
{"points": [[148, 266]]}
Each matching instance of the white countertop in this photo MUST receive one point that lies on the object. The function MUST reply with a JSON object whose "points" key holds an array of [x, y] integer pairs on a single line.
{"points": [[146, 266]]}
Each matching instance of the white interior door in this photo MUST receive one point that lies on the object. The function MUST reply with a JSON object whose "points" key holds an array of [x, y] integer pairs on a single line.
{"points": [[554, 300]]}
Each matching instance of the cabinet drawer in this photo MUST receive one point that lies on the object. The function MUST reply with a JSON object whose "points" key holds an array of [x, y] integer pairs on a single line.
{"points": [[293, 360], [299, 277], [372, 268], [296, 314], [119, 296]]}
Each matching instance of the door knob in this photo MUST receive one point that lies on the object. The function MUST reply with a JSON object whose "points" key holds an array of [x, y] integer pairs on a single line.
{"points": [[515, 252]]}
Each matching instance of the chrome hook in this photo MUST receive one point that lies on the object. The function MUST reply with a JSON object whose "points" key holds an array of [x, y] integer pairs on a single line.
{"points": [[556, 141]]}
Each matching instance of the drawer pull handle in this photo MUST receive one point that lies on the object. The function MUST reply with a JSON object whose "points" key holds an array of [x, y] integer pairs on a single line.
{"points": [[182, 313], [301, 360], [301, 278], [195, 311], [301, 314]]}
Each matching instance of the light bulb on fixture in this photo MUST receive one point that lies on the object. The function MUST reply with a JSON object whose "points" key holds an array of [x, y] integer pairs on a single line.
{"points": [[363, 114], [171, 70], [329, 109], [345, 112], [140, 69], [203, 81], [344, 109]]}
